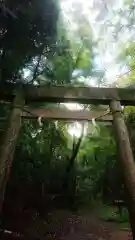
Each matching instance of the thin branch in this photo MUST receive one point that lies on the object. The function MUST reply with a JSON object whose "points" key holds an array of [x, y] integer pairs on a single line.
{"points": [[77, 58], [121, 75], [35, 73]]}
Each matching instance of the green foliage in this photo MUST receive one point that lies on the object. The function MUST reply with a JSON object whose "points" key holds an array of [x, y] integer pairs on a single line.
{"points": [[109, 213], [40, 152], [23, 37], [96, 152]]}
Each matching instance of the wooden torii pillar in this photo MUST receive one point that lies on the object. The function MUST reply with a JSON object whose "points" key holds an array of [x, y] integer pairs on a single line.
{"points": [[126, 158], [9, 144]]}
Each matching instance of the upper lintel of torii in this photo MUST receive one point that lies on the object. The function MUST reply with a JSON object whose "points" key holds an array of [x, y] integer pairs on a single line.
{"points": [[58, 94]]}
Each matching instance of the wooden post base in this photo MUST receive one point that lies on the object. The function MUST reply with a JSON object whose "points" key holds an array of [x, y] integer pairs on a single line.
{"points": [[126, 158]]}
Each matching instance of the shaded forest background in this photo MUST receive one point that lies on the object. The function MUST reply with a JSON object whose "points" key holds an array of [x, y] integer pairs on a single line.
{"points": [[51, 168]]}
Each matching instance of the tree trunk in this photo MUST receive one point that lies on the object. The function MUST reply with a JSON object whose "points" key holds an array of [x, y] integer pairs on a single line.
{"points": [[8, 146], [126, 159], [75, 151], [69, 184]]}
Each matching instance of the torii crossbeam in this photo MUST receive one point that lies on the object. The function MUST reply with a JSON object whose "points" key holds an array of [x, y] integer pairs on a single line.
{"points": [[84, 95], [66, 115]]}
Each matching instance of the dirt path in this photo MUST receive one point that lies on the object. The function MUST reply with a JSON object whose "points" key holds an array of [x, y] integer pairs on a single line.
{"points": [[74, 226], [85, 227]]}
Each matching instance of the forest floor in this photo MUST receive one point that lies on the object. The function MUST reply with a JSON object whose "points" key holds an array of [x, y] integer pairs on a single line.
{"points": [[65, 225]]}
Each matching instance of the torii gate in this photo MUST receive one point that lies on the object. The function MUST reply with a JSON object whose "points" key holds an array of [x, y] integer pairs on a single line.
{"points": [[113, 97]]}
